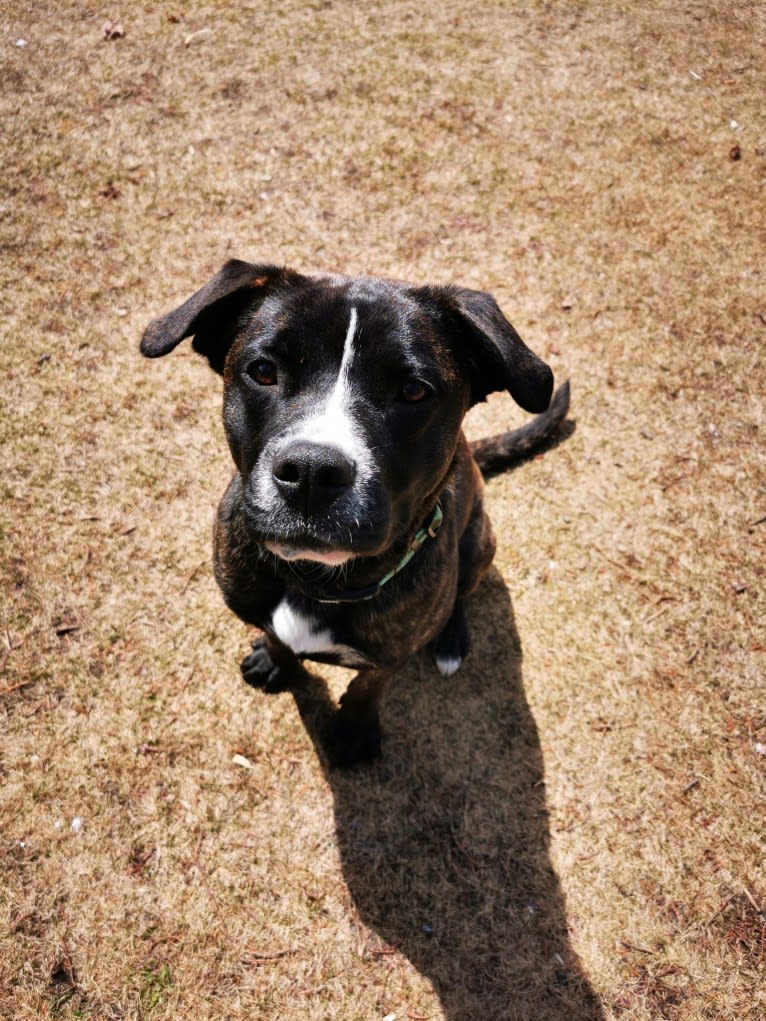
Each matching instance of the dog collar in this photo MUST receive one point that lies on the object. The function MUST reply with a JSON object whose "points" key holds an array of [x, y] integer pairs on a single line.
{"points": [[359, 595]]}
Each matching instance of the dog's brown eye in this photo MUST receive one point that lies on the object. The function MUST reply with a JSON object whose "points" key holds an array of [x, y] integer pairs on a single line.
{"points": [[413, 391], [263, 372]]}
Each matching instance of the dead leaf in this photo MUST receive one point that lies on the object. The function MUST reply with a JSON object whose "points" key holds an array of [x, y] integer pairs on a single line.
{"points": [[111, 191], [66, 622]]}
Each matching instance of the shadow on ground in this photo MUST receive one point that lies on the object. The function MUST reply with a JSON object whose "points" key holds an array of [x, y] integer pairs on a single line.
{"points": [[444, 843]]}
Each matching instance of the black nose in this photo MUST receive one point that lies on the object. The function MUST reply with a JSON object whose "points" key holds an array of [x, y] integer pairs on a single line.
{"points": [[311, 476]]}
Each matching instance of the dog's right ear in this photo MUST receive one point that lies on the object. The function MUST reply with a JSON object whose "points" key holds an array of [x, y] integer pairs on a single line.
{"points": [[211, 315]]}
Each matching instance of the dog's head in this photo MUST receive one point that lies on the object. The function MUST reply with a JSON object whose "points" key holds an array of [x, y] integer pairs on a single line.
{"points": [[344, 397]]}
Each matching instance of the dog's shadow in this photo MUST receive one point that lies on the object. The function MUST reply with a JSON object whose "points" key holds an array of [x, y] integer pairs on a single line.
{"points": [[444, 842]]}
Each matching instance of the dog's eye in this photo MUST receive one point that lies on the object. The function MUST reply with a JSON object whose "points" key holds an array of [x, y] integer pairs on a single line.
{"points": [[413, 390], [263, 372]]}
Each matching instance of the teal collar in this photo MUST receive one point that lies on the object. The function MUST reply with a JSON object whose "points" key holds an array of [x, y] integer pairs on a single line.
{"points": [[428, 531]]}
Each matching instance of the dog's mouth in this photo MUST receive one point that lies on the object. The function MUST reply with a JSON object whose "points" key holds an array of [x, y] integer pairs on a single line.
{"points": [[293, 551], [330, 546], [332, 539]]}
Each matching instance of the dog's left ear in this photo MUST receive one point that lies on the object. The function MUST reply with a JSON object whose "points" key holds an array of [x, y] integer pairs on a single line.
{"points": [[498, 358], [211, 315]]}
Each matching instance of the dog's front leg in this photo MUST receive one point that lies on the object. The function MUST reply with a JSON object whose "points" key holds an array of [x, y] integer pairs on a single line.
{"points": [[271, 665], [357, 726]]}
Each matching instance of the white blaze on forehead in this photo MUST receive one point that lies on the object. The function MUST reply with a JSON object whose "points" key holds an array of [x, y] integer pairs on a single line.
{"points": [[333, 422], [335, 414], [328, 420], [341, 382]]}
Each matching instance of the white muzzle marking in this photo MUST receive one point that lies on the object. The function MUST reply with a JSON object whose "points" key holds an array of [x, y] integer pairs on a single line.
{"points": [[331, 423]]}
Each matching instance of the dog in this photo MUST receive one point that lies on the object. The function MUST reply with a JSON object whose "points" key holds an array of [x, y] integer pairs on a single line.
{"points": [[353, 530]]}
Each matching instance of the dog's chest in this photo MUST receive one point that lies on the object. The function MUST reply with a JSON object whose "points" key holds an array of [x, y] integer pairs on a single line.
{"points": [[306, 637]]}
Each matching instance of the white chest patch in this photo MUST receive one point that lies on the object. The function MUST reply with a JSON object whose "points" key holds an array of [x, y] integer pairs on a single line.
{"points": [[298, 631], [301, 634]]}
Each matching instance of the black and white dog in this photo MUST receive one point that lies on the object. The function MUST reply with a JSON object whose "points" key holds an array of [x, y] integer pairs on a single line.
{"points": [[354, 529]]}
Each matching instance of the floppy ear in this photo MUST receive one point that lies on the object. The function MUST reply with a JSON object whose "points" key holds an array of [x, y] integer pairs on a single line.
{"points": [[211, 314], [497, 356]]}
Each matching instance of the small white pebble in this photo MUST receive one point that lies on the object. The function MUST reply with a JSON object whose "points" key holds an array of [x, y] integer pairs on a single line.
{"points": [[390, 1017], [734, 125], [58, 824], [759, 748], [21, 43], [76, 824]]}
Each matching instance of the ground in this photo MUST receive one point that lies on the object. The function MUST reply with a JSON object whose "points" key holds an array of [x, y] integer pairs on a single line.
{"points": [[574, 828]]}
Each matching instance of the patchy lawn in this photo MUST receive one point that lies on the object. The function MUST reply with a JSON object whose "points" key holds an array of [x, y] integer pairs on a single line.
{"points": [[576, 828]]}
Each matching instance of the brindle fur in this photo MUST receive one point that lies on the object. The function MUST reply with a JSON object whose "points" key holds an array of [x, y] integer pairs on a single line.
{"points": [[253, 583], [423, 605]]}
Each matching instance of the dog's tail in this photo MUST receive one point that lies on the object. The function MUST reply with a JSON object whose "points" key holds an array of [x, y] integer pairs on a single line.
{"points": [[495, 453]]}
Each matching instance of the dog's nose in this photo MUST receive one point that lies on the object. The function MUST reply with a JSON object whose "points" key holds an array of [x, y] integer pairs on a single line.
{"points": [[311, 476]]}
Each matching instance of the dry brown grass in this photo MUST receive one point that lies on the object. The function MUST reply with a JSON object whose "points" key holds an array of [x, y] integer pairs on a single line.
{"points": [[578, 835]]}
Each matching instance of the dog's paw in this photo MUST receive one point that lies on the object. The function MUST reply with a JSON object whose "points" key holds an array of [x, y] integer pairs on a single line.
{"points": [[450, 648], [353, 742], [260, 671], [448, 665]]}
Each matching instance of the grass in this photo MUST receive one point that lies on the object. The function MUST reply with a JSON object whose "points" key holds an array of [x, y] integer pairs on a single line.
{"points": [[574, 831]]}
